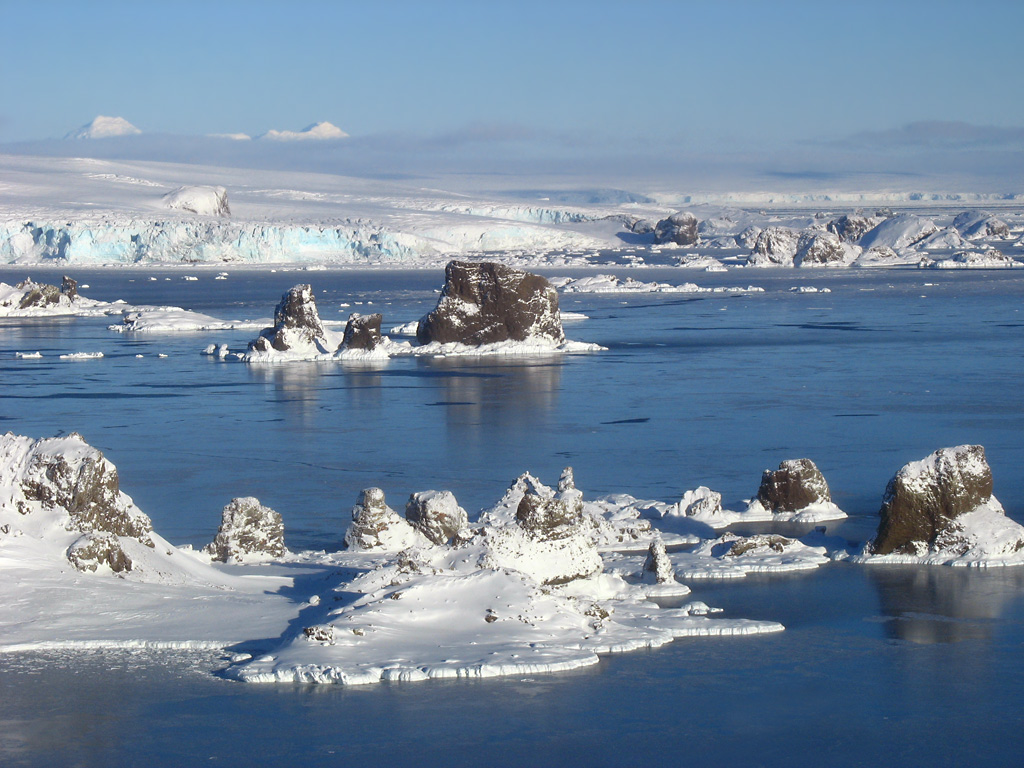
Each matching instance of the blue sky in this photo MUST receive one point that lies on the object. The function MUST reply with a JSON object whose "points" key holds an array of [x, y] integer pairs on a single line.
{"points": [[612, 76]]}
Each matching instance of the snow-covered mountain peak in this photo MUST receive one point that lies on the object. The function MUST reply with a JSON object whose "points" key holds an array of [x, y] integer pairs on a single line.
{"points": [[322, 130], [103, 127]]}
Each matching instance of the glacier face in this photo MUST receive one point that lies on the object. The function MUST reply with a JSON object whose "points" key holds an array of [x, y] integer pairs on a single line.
{"points": [[146, 241]]}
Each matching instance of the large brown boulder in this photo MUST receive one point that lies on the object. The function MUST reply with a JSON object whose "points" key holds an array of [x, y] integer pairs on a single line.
{"points": [[362, 331], [679, 228], [923, 500], [795, 485], [851, 228], [485, 303]]}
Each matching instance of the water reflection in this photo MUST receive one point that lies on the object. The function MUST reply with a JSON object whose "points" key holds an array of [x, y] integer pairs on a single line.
{"points": [[938, 604], [497, 396], [299, 386]]}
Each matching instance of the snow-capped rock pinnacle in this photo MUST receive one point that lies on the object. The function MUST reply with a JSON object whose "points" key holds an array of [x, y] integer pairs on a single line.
{"points": [[317, 131], [104, 128]]}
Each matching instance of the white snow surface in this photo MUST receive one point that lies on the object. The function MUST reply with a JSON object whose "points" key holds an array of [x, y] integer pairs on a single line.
{"points": [[96, 212], [206, 201], [419, 613], [175, 320], [614, 284]]}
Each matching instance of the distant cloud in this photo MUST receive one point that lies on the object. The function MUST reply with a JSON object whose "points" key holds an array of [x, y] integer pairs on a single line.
{"points": [[937, 135]]}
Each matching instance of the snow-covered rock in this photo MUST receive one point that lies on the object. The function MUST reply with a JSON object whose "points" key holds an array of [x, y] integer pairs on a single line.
{"points": [[485, 303], [615, 284], [248, 530], [378, 528], [880, 256], [899, 232], [795, 491], [316, 132], [207, 201], [297, 330], [774, 247], [547, 541], [362, 331], [437, 515], [988, 259], [66, 476], [731, 556], [941, 510], [679, 228], [975, 225], [657, 566], [851, 228], [103, 127], [947, 238], [824, 249], [31, 298]]}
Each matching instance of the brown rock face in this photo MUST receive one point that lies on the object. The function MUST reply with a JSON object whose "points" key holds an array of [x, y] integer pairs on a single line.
{"points": [[38, 294], [795, 485], [69, 287], [924, 498], [679, 228], [851, 228], [363, 331], [487, 303]]}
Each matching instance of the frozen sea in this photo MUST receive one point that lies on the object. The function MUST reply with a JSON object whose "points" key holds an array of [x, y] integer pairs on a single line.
{"points": [[878, 665]]}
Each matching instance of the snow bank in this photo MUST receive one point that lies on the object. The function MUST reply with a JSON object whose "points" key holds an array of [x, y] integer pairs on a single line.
{"points": [[207, 201], [614, 284]]}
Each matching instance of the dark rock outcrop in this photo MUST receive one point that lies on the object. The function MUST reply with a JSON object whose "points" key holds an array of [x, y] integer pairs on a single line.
{"points": [[437, 515], [850, 229], [485, 303], [923, 500], [820, 248], [362, 331], [98, 549], [297, 325], [795, 485], [38, 294], [69, 287], [775, 246], [679, 228], [248, 528], [76, 478]]}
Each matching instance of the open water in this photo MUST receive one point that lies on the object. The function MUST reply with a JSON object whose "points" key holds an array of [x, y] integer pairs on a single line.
{"points": [[879, 665]]}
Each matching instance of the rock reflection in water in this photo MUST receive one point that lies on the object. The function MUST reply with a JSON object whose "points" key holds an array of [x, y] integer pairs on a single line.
{"points": [[938, 604], [498, 395], [299, 386]]}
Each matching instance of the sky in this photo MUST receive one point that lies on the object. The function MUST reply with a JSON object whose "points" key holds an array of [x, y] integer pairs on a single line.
{"points": [[626, 79]]}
